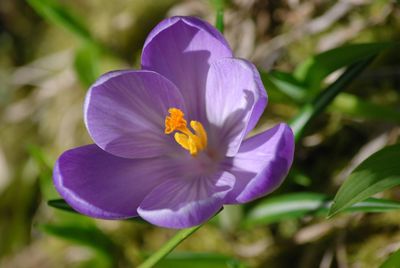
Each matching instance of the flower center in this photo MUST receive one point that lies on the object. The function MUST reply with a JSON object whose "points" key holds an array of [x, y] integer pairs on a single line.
{"points": [[193, 142]]}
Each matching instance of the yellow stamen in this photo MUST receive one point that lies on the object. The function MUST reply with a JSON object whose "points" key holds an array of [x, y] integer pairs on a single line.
{"points": [[193, 142], [175, 120], [200, 132]]}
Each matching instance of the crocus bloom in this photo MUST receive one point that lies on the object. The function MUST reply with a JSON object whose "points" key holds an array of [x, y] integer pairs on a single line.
{"points": [[170, 139]]}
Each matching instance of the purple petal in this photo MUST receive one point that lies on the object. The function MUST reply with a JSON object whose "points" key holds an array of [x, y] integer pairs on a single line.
{"points": [[235, 100], [260, 104], [261, 164], [181, 49], [125, 113], [102, 185], [186, 202]]}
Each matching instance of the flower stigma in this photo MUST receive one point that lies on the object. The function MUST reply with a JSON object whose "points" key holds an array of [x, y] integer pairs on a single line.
{"points": [[192, 142]]}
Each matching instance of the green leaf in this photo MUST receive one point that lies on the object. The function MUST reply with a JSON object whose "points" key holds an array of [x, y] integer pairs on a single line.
{"points": [[298, 205], [315, 69], [86, 64], [45, 167], [220, 21], [374, 205], [377, 173], [198, 260], [284, 207], [353, 106], [285, 83], [299, 177], [59, 15], [283, 87], [316, 106], [275, 93], [40, 157], [85, 235], [61, 204], [393, 261], [219, 6]]}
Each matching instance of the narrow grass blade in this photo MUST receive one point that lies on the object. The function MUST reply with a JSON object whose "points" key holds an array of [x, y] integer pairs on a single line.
{"points": [[198, 260], [393, 261], [60, 15], [313, 70], [219, 6], [315, 107], [299, 205], [377, 173]]}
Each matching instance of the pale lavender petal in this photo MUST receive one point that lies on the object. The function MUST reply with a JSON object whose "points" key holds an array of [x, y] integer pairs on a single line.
{"points": [[235, 100], [181, 49], [261, 164], [101, 185], [125, 113], [260, 104], [186, 202]]}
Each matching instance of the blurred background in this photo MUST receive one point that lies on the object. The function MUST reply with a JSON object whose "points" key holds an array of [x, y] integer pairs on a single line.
{"points": [[46, 67]]}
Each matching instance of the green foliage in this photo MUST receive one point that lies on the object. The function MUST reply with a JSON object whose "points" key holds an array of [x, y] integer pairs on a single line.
{"points": [[284, 83], [86, 64], [313, 70], [41, 158], [393, 261], [59, 15], [219, 6], [86, 235], [61, 204], [283, 207], [198, 260], [309, 75], [45, 168], [316, 106], [377, 173], [168, 247], [283, 87], [299, 205], [89, 236], [220, 21], [353, 106], [87, 56]]}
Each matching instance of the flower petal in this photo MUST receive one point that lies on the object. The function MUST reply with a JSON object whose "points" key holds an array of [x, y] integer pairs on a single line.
{"points": [[101, 185], [186, 202], [261, 164], [125, 112], [181, 49], [235, 100]]}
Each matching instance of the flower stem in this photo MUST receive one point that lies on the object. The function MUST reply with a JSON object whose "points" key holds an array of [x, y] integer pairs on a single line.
{"points": [[315, 107], [168, 247]]}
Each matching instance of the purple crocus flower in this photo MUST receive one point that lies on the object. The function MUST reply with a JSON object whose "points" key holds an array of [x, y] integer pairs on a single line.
{"points": [[169, 139]]}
